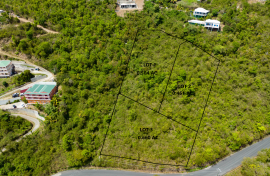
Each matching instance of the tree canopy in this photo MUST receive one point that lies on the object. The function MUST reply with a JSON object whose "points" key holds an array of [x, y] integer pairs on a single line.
{"points": [[92, 59]]}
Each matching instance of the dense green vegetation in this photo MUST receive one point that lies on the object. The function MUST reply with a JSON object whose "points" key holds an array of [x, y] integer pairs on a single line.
{"points": [[22, 31], [90, 57], [6, 19], [258, 165], [23, 78], [14, 81], [22, 37], [11, 128]]}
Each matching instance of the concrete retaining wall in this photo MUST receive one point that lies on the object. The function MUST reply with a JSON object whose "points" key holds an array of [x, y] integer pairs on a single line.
{"points": [[28, 112], [38, 78]]}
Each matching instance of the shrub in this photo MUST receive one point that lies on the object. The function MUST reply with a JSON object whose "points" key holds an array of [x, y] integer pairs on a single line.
{"points": [[5, 84]]}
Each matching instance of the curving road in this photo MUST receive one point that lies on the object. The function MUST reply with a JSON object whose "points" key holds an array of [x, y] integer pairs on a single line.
{"points": [[220, 168], [4, 102], [33, 120], [49, 77]]}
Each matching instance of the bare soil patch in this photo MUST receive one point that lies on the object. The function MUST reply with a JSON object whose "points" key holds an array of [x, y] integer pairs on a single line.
{"points": [[255, 1], [122, 12]]}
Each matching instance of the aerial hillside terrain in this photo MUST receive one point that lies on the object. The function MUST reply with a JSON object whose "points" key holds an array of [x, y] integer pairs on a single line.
{"points": [[11, 128], [253, 166], [201, 95]]}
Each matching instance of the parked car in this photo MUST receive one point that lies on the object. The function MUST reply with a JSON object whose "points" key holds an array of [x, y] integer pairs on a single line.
{"points": [[23, 105], [15, 95], [37, 69], [22, 94], [32, 69], [14, 106]]}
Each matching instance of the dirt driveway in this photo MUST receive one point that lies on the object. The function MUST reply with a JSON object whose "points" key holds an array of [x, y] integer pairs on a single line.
{"points": [[121, 12]]}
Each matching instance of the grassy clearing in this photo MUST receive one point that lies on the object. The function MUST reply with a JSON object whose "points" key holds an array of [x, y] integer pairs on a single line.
{"points": [[235, 172], [28, 66], [39, 74], [14, 81], [188, 3], [9, 81]]}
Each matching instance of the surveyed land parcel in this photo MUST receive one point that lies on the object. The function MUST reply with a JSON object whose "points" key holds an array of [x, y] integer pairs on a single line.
{"points": [[161, 101]]}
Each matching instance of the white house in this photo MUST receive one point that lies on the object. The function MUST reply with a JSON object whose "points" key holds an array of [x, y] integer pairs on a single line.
{"points": [[2, 11], [209, 24], [127, 4], [202, 23], [214, 24], [6, 68], [200, 12]]}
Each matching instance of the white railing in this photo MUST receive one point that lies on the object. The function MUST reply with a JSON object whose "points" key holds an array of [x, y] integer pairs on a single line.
{"points": [[37, 98]]}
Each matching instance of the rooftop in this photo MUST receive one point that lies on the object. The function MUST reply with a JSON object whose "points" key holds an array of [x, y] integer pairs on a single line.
{"points": [[4, 63], [196, 21], [43, 88], [201, 10], [212, 21], [128, 3]]}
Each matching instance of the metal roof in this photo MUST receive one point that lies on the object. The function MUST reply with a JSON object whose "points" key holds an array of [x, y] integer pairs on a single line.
{"points": [[4, 63], [201, 10], [129, 3], [43, 88], [212, 21], [196, 21]]}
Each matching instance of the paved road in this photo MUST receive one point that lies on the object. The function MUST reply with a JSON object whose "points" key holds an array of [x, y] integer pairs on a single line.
{"points": [[10, 106], [225, 165], [49, 77], [3, 102], [33, 120]]}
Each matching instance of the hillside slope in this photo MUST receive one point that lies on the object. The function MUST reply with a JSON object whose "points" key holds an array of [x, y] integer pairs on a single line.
{"points": [[96, 53]]}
